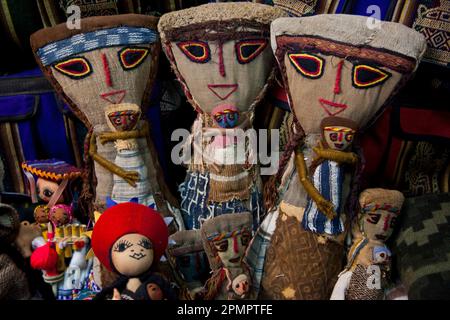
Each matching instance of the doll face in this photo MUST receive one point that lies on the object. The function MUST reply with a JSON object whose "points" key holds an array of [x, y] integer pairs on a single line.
{"points": [[338, 138], [98, 78], [378, 224], [59, 216], [154, 291], [241, 285], [46, 189], [123, 120], [381, 255], [41, 214], [323, 85], [132, 254], [231, 250], [232, 73]]}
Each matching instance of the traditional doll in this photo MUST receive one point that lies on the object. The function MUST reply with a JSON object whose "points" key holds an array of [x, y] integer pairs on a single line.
{"points": [[225, 239], [332, 65], [129, 239], [17, 279], [54, 186], [367, 274], [189, 262], [327, 176], [221, 54], [109, 64]]}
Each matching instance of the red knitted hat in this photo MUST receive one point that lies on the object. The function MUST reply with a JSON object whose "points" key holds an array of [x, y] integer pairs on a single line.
{"points": [[126, 218]]}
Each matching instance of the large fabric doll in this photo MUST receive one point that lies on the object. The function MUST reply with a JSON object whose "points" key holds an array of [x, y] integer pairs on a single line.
{"points": [[225, 239], [221, 55], [109, 64], [367, 274], [332, 65]]}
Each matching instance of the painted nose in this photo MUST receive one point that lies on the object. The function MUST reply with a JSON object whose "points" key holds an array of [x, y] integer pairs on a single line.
{"points": [[235, 245], [221, 63], [340, 136], [337, 84]]}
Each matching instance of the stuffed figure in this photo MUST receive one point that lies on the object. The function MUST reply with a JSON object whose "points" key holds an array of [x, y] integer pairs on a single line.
{"points": [[221, 54], [54, 186], [332, 66], [188, 259], [105, 71], [225, 239], [129, 239], [16, 238], [366, 276]]}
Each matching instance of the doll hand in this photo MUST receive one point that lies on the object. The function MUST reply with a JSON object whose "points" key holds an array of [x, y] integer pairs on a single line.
{"points": [[116, 295], [327, 208], [131, 177]]}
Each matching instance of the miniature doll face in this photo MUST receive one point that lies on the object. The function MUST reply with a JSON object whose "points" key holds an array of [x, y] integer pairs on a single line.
{"points": [[381, 255], [231, 250], [41, 214], [123, 119], [132, 254], [46, 189], [323, 85], [379, 224], [241, 285], [338, 138], [231, 73], [154, 291], [60, 216], [111, 75]]}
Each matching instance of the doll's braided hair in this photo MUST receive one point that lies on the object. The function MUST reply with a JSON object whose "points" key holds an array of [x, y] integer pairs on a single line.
{"points": [[271, 187]]}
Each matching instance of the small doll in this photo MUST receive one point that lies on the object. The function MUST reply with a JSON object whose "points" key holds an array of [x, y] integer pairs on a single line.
{"points": [[155, 288], [129, 239], [369, 259], [189, 261], [225, 239], [53, 186], [323, 208]]}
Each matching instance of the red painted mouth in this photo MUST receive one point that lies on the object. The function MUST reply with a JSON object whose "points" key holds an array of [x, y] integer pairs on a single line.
{"points": [[235, 260], [339, 145], [332, 108], [114, 97], [223, 91]]}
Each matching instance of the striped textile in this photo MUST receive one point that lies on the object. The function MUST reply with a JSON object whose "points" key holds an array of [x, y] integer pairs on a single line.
{"points": [[328, 178], [195, 207], [256, 252], [131, 160], [89, 41]]}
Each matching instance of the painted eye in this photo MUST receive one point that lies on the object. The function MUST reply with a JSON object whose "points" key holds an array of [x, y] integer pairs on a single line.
{"points": [[122, 246], [349, 137], [196, 51], [308, 65], [131, 58], [393, 221], [221, 246], [118, 121], [245, 238], [247, 50], [145, 243], [365, 76], [75, 68], [48, 193], [374, 218], [333, 136]]}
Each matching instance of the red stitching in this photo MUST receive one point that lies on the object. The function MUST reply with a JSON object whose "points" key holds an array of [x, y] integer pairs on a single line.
{"points": [[212, 86], [106, 96], [341, 106], [337, 84], [221, 65], [106, 70]]}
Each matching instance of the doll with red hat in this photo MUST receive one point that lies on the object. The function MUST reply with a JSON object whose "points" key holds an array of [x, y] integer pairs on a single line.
{"points": [[129, 239]]}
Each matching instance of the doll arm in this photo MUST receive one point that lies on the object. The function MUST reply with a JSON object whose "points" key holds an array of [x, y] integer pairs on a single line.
{"points": [[341, 286], [322, 204], [335, 155], [123, 135], [129, 176]]}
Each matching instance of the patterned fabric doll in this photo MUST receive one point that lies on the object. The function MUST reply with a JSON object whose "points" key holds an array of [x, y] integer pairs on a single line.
{"points": [[129, 239], [328, 175], [332, 65], [225, 239], [367, 273], [109, 63], [220, 53]]}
